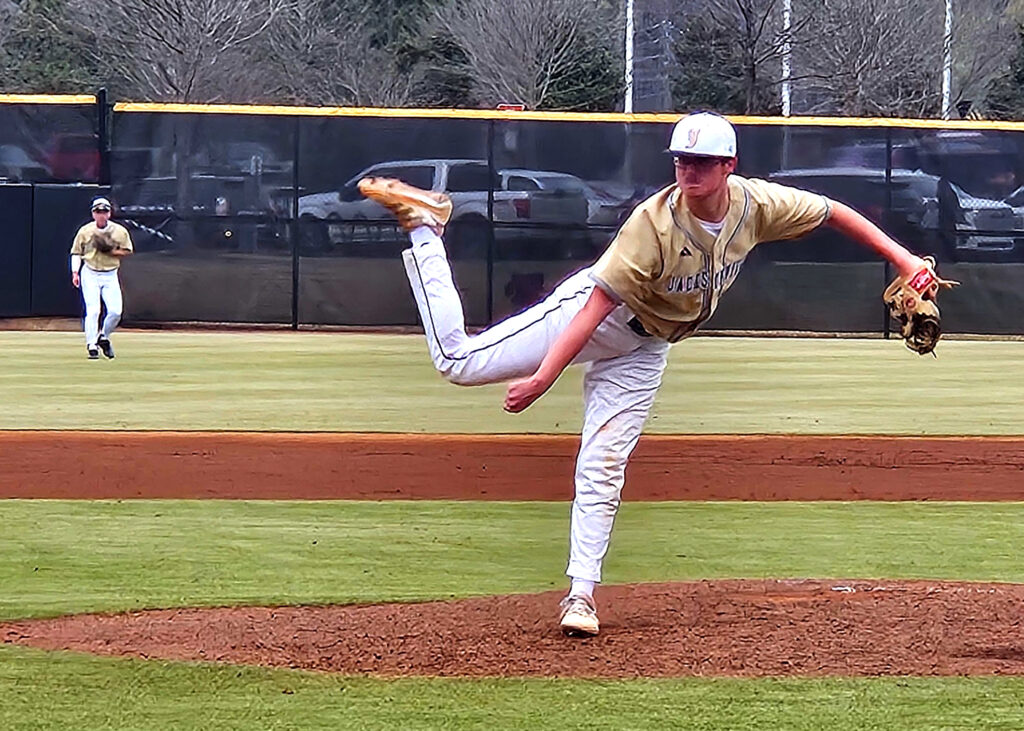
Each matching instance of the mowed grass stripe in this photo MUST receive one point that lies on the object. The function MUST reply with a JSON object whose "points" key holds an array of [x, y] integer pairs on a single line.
{"points": [[282, 381], [64, 690], [61, 557]]}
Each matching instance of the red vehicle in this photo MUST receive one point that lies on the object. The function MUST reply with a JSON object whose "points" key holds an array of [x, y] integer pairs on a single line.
{"points": [[74, 157]]}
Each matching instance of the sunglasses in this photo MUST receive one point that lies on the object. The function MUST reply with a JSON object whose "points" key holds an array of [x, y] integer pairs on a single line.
{"points": [[699, 161]]}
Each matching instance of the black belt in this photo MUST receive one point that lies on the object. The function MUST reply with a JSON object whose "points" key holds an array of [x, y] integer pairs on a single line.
{"points": [[635, 326]]}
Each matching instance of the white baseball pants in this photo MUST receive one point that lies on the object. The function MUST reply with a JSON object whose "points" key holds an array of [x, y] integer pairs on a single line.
{"points": [[624, 371], [98, 286]]}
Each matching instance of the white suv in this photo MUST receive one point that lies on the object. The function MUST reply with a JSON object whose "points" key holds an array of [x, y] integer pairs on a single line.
{"points": [[527, 204]]}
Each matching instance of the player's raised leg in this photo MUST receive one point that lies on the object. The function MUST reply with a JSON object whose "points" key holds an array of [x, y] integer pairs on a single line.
{"points": [[509, 349]]}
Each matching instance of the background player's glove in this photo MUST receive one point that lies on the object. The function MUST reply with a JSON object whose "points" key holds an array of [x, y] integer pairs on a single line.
{"points": [[102, 242], [912, 303]]}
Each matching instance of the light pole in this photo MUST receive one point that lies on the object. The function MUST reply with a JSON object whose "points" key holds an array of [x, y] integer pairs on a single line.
{"points": [[787, 13], [628, 104], [786, 88], [947, 62]]}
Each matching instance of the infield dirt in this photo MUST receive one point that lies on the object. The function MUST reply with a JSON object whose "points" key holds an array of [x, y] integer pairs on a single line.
{"points": [[721, 628], [259, 465]]}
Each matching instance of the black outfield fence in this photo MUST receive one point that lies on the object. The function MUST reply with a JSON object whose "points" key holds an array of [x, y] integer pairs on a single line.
{"points": [[251, 215]]}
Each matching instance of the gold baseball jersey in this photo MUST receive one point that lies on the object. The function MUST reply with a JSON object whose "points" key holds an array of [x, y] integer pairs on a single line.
{"points": [[83, 246], [670, 271]]}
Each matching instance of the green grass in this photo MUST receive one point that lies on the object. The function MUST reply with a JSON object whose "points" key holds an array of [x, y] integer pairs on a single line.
{"points": [[63, 690], [347, 382], [58, 557], [61, 556], [64, 556]]}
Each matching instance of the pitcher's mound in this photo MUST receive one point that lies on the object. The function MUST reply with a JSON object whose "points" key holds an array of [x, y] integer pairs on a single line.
{"points": [[736, 628]]}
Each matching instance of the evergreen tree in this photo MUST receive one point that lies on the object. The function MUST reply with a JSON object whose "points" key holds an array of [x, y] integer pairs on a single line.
{"points": [[709, 70], [42, 54], [594, 82]]}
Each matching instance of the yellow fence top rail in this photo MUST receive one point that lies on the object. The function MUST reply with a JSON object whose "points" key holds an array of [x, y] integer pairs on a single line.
{"points": [[47, 99], [496, 114]]}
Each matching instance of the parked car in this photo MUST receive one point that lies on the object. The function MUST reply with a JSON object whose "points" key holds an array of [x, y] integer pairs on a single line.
{"points": [[552, 197], [953, 225], [529, 207], [611, 202], [74, 157], [974, 228], [17, 166]]}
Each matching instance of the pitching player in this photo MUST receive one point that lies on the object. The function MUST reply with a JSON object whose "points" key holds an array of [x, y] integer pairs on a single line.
{"points": [[96, 255], [660, 278]]}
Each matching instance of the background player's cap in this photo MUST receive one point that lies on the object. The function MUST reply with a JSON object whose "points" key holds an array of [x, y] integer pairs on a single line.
{"points": [[703, 133], [100, 204]]}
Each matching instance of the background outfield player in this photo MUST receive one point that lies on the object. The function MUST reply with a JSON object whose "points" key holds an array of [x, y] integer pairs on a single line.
{"points": [[96, 255], [660, 278]]}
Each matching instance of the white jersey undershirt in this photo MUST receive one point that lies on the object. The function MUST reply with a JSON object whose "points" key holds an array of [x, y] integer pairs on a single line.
{"points": [[712, 228]]}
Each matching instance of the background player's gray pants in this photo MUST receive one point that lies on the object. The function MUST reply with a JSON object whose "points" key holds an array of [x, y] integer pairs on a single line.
{"points": [[623, 375]]}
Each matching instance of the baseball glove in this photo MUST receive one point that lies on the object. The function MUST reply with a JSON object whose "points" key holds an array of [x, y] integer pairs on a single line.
{"points": [[102, 242], [912, 303]]}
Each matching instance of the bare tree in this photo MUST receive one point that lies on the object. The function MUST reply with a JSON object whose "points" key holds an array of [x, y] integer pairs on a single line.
{"points": [[179, 50], [522, 51], [761, 41], [884, 57], [729, 54], [870, 58], [984, 41], [324, 53]]}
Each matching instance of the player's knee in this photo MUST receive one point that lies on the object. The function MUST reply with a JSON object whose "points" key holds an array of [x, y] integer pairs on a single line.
{"points": [[598, 499], [458, 373], [601, 482], [454, 373]]}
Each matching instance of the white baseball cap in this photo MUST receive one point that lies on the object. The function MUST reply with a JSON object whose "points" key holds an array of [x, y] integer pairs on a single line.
{"points": [[100, 203], [703, 133]]}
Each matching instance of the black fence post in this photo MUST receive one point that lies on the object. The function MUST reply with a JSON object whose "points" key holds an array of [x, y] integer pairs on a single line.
{"points": [[887, 270], [492, 176], [103, 129], [293, 226]]}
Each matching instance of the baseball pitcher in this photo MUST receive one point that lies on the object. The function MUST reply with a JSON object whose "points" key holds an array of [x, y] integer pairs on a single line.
{"points": [[96, 255], [660, 278]]}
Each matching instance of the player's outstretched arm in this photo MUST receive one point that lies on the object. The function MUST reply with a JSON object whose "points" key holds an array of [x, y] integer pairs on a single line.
{"points": [[850, 222], [567, 346]]}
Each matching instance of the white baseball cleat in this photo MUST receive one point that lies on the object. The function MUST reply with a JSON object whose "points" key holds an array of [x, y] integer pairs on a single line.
{"points": [[579, 616]]}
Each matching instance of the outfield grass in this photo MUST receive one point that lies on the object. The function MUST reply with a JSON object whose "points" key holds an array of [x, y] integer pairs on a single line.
{"points": [[347, 382]]}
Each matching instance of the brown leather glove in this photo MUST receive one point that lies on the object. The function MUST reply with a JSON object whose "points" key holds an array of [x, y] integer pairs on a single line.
{"points": [[912, 303], [102, 242]]}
